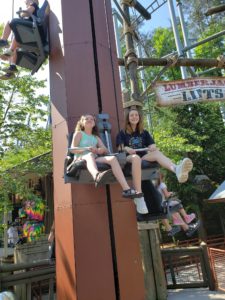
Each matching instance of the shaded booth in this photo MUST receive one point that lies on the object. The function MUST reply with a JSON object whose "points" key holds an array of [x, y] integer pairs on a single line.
{"points": [[32, 38]]}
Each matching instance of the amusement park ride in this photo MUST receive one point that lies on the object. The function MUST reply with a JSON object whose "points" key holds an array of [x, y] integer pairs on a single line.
{"points": [[97, 244]]}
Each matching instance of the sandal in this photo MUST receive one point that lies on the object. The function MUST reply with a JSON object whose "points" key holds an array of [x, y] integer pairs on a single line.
{"points": [[131, 193], [193, 228], [102, 177]]}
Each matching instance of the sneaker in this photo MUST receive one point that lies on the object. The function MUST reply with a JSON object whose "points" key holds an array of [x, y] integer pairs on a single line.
{"points": [[4, 43], [183, 169], [11, 69], [189, 218], [140, 205], [173, 231], [192, 229], [7, 76], [7, 52], [103, 177]]}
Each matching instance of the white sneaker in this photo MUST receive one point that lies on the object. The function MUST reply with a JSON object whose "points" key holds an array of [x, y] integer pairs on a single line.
{"points": [[140, 205], [183, 169]]}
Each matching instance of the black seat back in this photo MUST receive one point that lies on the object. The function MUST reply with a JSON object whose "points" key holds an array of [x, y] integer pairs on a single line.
{"points": [[32, 37]]}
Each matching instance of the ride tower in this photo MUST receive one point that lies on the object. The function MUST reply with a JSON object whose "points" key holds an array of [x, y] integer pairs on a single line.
{"points": [[97, 244]]}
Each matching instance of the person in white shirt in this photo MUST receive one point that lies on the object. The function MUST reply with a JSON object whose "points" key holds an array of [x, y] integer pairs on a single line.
{"points": [[13, 236]]}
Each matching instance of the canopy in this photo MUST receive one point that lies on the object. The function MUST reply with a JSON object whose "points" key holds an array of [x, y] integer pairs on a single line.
{"points": [[219, 194]]}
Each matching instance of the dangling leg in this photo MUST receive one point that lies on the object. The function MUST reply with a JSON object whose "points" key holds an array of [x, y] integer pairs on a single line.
{"points": [[127, 191], [10, 53], [177, 220], [116, 169], [187, 217], [171, 231], [135, 161], [164, 161], [180, 170], [91, 164], [5, 35]]}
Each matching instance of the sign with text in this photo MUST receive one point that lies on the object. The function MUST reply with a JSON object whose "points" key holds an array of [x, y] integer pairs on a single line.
{"points": [[190, 91]]}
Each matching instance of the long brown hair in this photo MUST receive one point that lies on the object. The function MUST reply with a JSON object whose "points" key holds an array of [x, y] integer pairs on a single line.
{"points": [[140, 125], [33, 1], [80, 127]]}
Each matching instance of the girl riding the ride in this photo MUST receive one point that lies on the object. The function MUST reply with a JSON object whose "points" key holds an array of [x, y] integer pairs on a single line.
{"points": [[87, 145], [139, 145]]}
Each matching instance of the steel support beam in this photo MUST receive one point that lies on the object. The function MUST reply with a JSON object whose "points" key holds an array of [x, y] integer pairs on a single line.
{"points": [[176, 35], [97, 245]]}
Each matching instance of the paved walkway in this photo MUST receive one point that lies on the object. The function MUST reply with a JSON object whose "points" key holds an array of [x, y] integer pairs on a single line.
{"points": [[195, 294]]}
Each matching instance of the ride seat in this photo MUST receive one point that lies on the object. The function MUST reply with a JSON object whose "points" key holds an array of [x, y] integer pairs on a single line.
{"points": [[76, 172], [32, 37]]}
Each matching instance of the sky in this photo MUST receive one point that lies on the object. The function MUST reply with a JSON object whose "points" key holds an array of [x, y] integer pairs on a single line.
{"points": [[6, 9], [160, 18]]}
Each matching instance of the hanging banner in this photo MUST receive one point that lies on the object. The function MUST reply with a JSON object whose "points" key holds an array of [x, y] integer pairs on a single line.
{"points": [[189, 91]]}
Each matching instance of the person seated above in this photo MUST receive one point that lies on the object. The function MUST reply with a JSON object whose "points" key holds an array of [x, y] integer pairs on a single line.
{"points": [[10, 53]]}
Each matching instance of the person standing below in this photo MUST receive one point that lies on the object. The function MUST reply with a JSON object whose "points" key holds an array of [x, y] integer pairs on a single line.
{"points": [[13, 236], [139, 145]]}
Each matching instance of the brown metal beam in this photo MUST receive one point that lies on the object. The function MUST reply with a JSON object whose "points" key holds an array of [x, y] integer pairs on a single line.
{"points": [[97, 245], [188, 62]]}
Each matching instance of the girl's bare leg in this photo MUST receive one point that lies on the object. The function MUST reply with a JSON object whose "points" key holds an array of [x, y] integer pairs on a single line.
{"points": [[116, 169], [185, 227], [187, 217], [177, 219], [91, 164], [183, 213], [135, 161], [6, 32], [166, 224], [164, 161], [181, 170], [171, 231], [14, 44]]}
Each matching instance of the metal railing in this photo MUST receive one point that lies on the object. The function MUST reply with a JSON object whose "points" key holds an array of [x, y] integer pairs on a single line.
{"points": [[217, 258], [188, 267]]}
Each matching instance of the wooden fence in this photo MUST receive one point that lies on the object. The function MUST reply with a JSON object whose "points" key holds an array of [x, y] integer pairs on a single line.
{"points": [[38, 278]]}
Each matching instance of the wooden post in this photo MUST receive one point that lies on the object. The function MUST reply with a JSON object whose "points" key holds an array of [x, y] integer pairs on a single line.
{"points": [[131, 62], [187, 62], [97, 247], [155, 283], [209, 272]]}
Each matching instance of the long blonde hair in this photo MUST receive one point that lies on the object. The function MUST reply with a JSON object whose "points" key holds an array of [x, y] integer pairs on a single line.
{"points": [[140, 125], [80, 126]]}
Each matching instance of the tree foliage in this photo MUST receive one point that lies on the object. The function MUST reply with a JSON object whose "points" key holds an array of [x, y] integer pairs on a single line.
{"points": [[194, 130], [24, 112]]}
